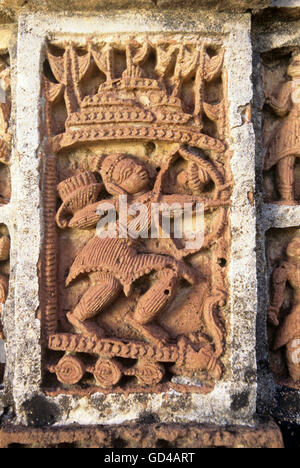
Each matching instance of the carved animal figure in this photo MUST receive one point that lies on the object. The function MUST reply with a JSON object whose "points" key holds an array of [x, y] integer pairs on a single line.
{"points": [[284, 144], [288, 334]]}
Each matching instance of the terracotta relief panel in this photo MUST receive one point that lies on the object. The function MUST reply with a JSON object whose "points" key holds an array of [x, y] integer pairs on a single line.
{"points": [[283, 247], [132, 122], [5, 137], [282, 126]]}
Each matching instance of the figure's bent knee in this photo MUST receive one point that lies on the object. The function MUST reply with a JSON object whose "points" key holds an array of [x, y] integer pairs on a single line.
{"points": [[157, 298], [80, 311], [96, 298]]}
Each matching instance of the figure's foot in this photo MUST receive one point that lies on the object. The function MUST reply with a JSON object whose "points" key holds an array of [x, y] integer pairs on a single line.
{"points": [[90, 329], [152, 333]]}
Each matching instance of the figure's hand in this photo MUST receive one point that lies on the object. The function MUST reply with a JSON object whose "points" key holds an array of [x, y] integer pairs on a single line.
{"points": [[273, 316], [95, 162]]}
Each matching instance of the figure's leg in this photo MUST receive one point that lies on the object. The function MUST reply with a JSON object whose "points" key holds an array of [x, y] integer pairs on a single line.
{"points": [[293, 358], [157, 298], [92, 302], [285, 178], [152, 303]]}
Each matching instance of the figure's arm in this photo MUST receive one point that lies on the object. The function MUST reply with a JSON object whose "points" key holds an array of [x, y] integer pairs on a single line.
{"points": [[157, 189], [279, 281], [89, 216], [174, 206], [280, 102]]}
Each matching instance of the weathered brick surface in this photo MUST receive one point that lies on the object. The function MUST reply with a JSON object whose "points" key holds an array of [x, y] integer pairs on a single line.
{"points": [[78, 4], [263, 435]]}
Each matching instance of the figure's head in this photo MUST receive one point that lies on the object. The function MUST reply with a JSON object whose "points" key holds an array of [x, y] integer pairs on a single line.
{"points": [[294, 68], [194, 178], [293, 249], [123, 174]]}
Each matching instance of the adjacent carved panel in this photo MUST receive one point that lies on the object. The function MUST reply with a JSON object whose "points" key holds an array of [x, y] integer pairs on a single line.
{"points": [[284, 313], [144, 120], [282, 127], [4, 284]]}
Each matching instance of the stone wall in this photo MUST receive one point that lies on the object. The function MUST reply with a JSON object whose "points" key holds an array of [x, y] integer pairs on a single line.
{"points": [[164, 102]]}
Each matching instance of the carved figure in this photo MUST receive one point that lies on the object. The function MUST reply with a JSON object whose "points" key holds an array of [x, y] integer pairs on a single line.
{"points": [[194, 178], [284, 144], [288, 334], [4, 248], [114, 264]]}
